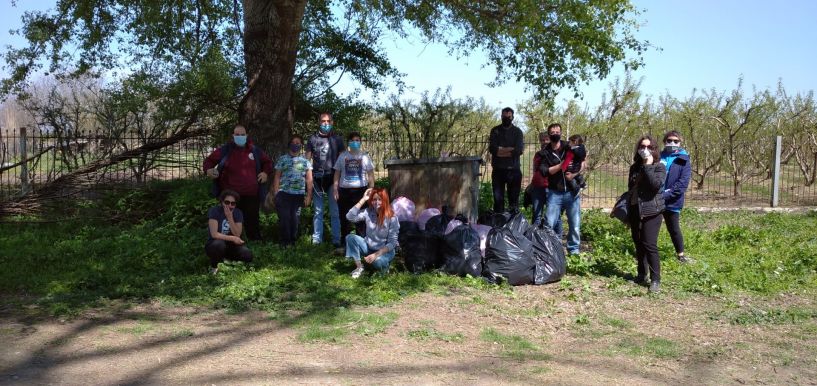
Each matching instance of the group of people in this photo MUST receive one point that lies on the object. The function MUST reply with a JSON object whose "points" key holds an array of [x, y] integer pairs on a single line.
{"points": [[328, 173], [657, 184]]}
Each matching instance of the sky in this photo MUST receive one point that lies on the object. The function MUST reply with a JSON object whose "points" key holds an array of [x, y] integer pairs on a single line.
{"points": [[703, 45]]}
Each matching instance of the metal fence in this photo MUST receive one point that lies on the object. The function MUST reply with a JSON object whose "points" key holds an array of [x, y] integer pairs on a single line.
{"points": [[30, 158]]}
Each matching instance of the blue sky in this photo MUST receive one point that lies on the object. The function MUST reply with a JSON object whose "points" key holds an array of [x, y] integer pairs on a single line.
{"points": [[704, 44]]}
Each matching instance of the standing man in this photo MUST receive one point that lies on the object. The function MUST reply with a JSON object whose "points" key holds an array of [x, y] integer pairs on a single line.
{"points": [[679, 171], [323, 149], [506, 144], [242, 167], [560, 197]]}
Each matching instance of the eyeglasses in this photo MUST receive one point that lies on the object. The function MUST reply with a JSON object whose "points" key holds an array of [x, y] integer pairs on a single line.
{"points": [[673, 142], [229, 203]]}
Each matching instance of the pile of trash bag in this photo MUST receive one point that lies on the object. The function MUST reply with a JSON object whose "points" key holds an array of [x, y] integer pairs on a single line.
{"points": [[523, 254], [501, 247]]}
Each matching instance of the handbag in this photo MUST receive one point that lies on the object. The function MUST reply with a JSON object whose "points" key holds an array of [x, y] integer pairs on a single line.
{"points": [[620, 208]]}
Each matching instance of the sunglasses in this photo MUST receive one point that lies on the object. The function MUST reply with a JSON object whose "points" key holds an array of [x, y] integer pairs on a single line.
{"points": [[643, 146], [229, 203], [673, 142]]}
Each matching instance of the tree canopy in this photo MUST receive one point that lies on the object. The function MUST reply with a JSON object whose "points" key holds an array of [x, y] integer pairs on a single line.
{"points": [[284, 54]]}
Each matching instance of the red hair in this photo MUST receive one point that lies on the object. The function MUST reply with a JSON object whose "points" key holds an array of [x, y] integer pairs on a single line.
{"points": [[385, 210]]}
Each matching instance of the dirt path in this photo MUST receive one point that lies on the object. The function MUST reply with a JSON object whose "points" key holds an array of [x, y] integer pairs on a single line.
{"points": [[579, 334]]}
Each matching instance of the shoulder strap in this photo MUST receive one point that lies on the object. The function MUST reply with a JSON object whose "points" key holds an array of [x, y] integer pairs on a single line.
{"points": [[225, 151], [256, 153]]}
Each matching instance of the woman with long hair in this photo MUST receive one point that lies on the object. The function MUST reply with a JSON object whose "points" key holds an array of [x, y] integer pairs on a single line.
{"points": [[382, 227], [645, 184]]}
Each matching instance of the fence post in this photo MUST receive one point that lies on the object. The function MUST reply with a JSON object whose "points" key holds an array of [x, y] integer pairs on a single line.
{"points": [[24, 186], [778, 147]]}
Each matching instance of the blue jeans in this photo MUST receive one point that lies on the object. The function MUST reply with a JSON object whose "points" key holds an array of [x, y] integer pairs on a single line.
{"points": [[320, 192], [539, 197], [356, 248], [571, 203]]}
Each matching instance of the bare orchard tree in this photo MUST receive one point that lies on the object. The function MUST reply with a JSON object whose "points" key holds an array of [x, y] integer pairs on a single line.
{"points": [[745, 132], [798, 124]]}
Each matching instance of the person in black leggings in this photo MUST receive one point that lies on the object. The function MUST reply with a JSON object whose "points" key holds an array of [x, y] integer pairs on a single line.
{"points": [[679, 171], [646, 177], [354, 174], [225, 223]]}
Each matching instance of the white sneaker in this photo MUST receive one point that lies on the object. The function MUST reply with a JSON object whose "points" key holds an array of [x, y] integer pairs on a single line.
{"points": [[357, 272]]}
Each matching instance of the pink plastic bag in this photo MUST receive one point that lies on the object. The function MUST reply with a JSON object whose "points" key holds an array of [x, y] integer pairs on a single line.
{"points": [[452, 225], [403, 208], [482, 230], [422, 219]]}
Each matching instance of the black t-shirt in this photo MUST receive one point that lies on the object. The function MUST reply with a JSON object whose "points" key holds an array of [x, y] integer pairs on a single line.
{"points": [[325, 151], [552, 157], [217, 213]]}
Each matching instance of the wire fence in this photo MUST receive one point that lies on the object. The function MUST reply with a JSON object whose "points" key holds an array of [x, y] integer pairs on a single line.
{"points": [[33, 157]]}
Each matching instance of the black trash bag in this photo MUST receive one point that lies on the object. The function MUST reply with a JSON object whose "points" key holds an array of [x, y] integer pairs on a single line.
{"points": [[548, 254], [420, 250], [518, 224], [406, 227], [508, 256], [461, 255], [494, 220], [436, 225]]}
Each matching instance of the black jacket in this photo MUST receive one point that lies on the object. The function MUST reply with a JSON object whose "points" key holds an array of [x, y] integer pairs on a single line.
{"points": [[645, 184], [510, 137], [556, 182]]}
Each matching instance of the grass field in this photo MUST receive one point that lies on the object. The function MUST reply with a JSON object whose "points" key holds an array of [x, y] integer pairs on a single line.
{"points": [[126, 281]]}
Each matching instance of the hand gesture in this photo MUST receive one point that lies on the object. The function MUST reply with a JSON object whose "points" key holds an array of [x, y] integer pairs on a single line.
{"points": [[228, 212], [212, 173], [367, 195], [370, 258], [648, 160], [262, 177]]}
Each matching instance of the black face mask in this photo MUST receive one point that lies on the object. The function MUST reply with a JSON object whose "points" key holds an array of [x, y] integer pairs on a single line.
{"points": [[554, 138], [506, 121]]}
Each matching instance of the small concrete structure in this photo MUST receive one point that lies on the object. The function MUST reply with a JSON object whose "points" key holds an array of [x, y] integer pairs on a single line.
{"points": [[434, 182]]}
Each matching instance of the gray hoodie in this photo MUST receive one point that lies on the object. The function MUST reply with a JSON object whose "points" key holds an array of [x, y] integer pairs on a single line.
{"points": [[376, 236]]}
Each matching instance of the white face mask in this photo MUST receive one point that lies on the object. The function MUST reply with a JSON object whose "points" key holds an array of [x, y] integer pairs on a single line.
{"points": [[644, 153]]}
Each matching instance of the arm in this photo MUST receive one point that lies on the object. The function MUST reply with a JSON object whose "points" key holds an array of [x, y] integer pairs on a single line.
{"points": [[370, 175], [391, 243], [354, 214], [493, 143], [276, 181], [335, 185], [308, 198], [519, 145], [656, 174], [211, 162], [680, 186]]}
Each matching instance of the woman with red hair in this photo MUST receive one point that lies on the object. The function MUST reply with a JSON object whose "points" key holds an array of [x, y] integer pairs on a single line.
{"points": [[382, 228]]}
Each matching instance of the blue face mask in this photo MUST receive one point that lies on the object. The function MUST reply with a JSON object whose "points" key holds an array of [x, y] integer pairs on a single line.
{"points": [[354, 145], [240, 140], [326, 127], [295, 147]]}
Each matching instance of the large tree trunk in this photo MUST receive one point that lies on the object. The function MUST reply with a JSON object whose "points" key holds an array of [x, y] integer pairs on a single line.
{"points": [[272, 29]]}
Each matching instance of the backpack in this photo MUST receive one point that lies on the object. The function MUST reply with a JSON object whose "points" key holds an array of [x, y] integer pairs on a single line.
{"points": [[225, 152]]}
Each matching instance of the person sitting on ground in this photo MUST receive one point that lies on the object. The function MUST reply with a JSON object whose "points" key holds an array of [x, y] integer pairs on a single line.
{"points": [[382, 228], [225, 223], [574, 162]]}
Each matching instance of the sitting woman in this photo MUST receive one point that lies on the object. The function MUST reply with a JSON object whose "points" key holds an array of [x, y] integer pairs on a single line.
{"points": [[225, 223], [382, 228]]}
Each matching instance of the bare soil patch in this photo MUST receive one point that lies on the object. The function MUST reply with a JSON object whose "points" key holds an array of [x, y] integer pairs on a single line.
{"points": [[585, 333]]}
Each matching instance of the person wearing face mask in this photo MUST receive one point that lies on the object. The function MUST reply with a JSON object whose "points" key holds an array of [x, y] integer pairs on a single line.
{"points": [[539, 185], [560, 197], [382, 229], [354, 173], [505, 144], [679, 172], [323, 149], [645, 183], [244, 168], [225, 224], [293, 189]]}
